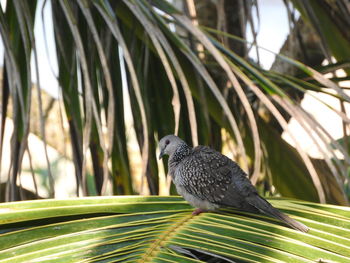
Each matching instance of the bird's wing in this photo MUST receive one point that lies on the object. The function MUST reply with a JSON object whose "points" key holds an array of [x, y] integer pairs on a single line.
{"points": [[208, 175], [211, 176]]}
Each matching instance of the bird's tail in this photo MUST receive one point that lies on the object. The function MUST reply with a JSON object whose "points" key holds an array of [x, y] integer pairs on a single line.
{"points": [[268, 209]]}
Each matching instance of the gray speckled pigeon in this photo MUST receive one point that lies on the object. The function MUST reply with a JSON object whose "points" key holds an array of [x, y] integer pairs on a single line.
{"points": [[209, 180]]}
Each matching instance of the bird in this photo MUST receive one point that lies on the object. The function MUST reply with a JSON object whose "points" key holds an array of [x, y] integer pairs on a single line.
{"points": [[209, 180]]}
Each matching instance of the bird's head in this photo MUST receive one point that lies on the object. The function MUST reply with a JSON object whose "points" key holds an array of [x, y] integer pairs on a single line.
{"points": [[168, 145]]}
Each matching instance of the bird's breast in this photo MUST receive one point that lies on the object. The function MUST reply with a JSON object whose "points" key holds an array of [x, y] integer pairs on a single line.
{"points": [[195, 201]]}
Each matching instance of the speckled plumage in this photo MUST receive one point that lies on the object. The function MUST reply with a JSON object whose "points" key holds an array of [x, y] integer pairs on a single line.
{"points": [[209, 180]]}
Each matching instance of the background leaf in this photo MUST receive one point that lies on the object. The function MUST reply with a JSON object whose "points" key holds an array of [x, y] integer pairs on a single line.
{"points": [[191, 76]]}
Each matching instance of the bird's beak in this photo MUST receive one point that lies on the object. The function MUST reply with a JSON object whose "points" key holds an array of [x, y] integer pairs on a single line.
{"points": [[161, 154]]}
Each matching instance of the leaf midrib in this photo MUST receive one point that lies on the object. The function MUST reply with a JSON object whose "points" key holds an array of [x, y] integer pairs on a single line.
{"points": [[156, 246]]}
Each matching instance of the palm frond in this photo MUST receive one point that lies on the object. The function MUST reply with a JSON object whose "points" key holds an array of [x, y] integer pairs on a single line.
{"points": [[162, 229]]}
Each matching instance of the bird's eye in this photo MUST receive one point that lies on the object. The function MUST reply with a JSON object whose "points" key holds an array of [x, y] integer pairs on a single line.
{"points": [[167, 142]]}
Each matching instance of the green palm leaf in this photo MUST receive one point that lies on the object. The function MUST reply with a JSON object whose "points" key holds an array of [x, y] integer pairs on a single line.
{"points": [[163, 229]]}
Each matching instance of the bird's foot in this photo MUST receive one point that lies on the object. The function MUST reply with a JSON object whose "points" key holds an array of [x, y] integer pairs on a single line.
{"points": [[198, 211]]}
